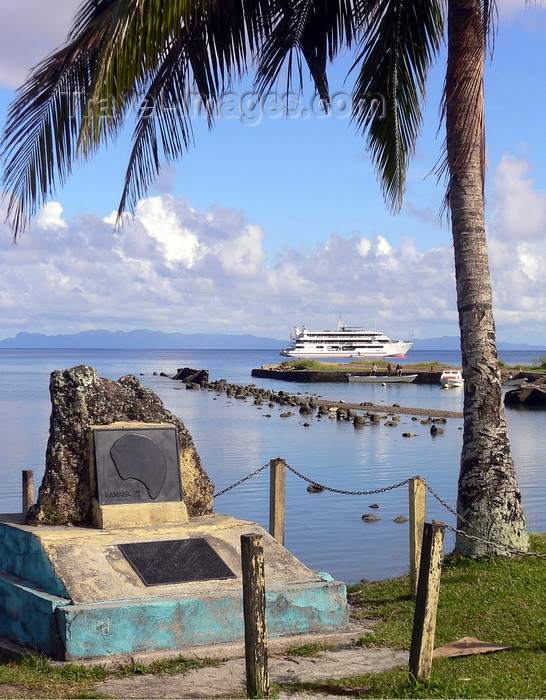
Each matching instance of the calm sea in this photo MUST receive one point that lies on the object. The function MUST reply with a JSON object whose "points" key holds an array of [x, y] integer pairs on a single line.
{"points": [[234, 438]]}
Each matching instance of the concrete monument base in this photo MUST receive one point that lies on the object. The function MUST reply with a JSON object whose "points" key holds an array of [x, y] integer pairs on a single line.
{"points": [[72, 592]]}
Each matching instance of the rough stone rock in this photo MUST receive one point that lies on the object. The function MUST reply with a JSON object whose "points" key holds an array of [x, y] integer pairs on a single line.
{"points": [[80, 398], [187, 374], [528, 395], [370, 518]]}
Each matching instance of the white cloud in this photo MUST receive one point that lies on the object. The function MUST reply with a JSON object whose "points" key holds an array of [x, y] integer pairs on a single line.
{"points": [[50, 216], [29, 31], [517, 245], [519, 10], [520, 211], [179, 244], [175, 268]]}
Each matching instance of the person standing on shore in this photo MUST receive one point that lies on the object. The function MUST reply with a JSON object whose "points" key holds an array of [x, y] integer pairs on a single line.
{"points": [[389, 369]]}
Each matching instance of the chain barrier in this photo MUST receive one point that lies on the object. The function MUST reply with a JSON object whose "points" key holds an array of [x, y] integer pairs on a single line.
{"points": [[347, 493], [484, 538], [385, 489], [507, 547], [245, 478]]}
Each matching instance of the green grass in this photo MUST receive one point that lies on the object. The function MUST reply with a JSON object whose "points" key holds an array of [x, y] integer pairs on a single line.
{"points": [[35, 676], [501, 601], [311, 649], [537, 365]]}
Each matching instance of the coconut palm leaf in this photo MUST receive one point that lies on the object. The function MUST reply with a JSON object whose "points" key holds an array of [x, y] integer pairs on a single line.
{"points": [[312, 30], [400, 43], [40, 139], [117, 52]]}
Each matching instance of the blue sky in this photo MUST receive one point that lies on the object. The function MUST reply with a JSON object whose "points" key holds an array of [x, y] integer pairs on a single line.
{"points": [[279, 222]]}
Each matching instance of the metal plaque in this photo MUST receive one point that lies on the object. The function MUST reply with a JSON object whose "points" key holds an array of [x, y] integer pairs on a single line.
{"points": [[137, 465], [175, 561]]}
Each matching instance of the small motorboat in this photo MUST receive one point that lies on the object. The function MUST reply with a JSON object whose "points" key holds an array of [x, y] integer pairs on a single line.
{"points": [[514, 383], [381, 379], [452, 378]]}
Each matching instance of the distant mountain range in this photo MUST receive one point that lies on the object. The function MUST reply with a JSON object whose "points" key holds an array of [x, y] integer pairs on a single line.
{"points": [[142, 340], [157, 340]]}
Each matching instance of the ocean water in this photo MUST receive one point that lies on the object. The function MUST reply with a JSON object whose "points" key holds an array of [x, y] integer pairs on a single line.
{"points": [[234, 438]]}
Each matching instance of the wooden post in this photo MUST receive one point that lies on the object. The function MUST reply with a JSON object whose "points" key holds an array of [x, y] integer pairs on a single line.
{"points": [[257, 670], [417, 515], [28, 490], [277, 479], [426, 604]]}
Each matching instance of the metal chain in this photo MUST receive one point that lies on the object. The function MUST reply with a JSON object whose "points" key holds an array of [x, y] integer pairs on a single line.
{"points": [[245, 478], [483, 539], [347, 493], [514, 550]]}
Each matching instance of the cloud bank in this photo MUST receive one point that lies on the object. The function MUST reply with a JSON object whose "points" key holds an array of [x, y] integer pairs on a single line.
{"points": [[174, 268]]}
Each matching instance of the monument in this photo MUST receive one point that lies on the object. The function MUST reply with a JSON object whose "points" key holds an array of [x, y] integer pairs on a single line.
{"points": [[138, 573]]}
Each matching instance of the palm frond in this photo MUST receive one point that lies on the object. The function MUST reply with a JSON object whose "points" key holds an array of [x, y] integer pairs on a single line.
{"points": [[80, 96], [401, 41], [312, 30], [40, 140]]}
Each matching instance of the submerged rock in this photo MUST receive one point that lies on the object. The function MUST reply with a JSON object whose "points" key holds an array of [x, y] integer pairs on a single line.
{"points": [[370, 518]]}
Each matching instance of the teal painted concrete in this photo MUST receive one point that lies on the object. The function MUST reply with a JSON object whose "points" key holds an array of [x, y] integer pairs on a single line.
{"points": [[36, 611], [27, 616], [22, 555], [147, 625]]}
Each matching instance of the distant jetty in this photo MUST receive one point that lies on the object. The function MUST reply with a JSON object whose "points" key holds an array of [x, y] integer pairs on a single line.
{"points": [[310, 376]]}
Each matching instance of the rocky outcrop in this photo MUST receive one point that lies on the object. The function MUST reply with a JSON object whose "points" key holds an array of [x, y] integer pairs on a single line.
{"points": [[530, 394], [81, 398], [192, 376]]}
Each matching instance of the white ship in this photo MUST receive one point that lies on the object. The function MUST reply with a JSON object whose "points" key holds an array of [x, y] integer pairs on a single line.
{"points": [[346, 341]]}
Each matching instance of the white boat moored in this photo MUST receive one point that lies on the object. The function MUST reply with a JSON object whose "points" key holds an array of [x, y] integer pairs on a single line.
{"points": [[451, 378]]}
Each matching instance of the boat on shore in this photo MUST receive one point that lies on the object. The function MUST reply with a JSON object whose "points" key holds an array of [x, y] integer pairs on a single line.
{"points": [[345, 341], [381, 379], [452, 378]]}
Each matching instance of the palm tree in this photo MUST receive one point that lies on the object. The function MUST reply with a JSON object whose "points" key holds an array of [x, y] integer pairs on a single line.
{"points": [[158, 51]]}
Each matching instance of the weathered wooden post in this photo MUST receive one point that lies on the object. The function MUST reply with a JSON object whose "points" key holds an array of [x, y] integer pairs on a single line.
{"points": [[277, 479], [426, 603], [28, 490], [417, 515], [257, 670]]}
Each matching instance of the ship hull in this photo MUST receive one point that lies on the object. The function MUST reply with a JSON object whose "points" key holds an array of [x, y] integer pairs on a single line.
{"points": [[394, 350]]}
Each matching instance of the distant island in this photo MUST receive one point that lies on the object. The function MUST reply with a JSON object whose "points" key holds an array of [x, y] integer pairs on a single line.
{"points": [[158, 340], [142, 340]]}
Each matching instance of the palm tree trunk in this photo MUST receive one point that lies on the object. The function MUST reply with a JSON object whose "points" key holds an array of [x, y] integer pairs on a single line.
{"points": [[488, 495]]}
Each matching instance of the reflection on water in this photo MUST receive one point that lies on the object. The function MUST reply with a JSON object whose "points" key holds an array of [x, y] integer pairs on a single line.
{"points": [[234, 437]]}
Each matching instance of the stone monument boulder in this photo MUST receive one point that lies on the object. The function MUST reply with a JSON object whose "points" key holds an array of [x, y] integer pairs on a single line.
{"points": [[81, 398]]}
